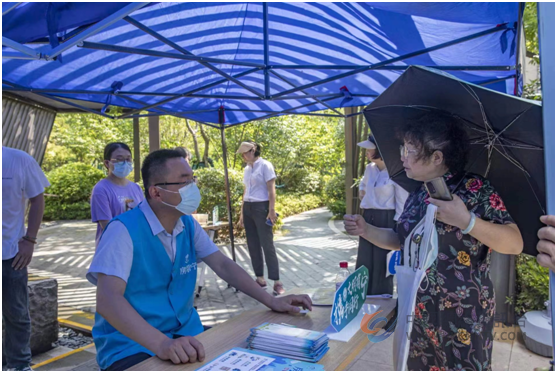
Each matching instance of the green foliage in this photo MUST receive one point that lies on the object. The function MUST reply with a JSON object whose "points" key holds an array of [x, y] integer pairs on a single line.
{"points": [[533, 90], [213, 193], [292, 204], [531, 30], [305, 151], [334, 195], [71, 187], [302, 181], [532, 285], [82, 138]]}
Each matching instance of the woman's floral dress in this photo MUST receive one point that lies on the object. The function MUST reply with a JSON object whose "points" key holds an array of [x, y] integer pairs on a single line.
{"points": [[455, 306]]}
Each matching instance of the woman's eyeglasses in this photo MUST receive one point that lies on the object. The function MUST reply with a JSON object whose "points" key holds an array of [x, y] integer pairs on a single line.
{"points": [[405, 152], [120, 160]]}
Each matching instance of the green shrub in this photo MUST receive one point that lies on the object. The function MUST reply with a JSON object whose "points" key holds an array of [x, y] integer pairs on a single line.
{"points": [[213, 192], [292, 204], [335, 197], [71, 187], [532, 285], [302, 181]]}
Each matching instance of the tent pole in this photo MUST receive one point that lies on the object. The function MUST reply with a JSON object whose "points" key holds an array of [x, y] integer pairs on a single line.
{"points": [[154, 53], [95, 29], [227, 186], [390, 67], [266, 49], [518, 67], [20, 47], [10, 8], [305, 92], [546, 32]]}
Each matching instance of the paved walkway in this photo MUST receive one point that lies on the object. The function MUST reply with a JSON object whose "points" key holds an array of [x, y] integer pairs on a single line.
{"points": [[309, 251]]}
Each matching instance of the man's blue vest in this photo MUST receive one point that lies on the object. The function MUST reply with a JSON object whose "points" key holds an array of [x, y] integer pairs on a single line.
{"points": [[159, 290]]}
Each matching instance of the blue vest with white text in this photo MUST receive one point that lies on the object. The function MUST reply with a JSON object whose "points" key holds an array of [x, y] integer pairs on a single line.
{"points": [[159, 290]]}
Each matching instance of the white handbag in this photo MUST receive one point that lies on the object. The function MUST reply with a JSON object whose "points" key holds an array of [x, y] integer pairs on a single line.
{"points": [[420, 251]]}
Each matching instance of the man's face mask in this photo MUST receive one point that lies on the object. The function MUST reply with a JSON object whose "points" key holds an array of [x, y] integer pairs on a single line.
{"points": [[191, 197]]}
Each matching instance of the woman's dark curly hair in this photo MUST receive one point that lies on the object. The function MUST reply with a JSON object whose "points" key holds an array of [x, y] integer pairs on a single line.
{"points": [[437, 130]]}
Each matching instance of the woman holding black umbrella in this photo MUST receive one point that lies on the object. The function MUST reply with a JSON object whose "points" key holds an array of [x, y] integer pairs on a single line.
{"points": [[455, 305]]}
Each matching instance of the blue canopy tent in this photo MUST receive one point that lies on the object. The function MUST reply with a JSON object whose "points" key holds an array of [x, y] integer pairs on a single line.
{"points": [[224, 64]]}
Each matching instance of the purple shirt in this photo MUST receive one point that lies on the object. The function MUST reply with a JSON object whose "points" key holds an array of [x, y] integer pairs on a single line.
{"points": [[110, 200]]}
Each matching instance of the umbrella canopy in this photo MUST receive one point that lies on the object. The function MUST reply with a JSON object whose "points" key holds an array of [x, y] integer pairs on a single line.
{"points": [[232, 62], [506, 137]]}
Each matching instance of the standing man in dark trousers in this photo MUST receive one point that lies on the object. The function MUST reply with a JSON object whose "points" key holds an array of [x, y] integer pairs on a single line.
{"points": [[22, 180], [258, 210]]}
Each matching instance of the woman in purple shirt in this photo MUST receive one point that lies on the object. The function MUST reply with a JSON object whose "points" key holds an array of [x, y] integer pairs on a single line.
{"points": [[115, 194]]}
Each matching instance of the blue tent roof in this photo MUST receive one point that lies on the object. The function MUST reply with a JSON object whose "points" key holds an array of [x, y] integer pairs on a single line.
{"points": [[182, 55]]}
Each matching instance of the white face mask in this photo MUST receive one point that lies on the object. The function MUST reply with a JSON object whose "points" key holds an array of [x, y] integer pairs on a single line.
{"points": [[191, 198]]}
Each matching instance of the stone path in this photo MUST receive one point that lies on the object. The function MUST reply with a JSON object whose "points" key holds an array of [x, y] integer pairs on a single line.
{"points": [[309, 251]]}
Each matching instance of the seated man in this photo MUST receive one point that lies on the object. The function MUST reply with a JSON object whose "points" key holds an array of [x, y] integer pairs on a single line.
{"points": [[145, 270]]}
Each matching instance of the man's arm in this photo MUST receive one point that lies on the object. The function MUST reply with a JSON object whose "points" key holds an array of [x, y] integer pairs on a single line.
{"points": [[233, 274], [116, 309], [34, 219]]}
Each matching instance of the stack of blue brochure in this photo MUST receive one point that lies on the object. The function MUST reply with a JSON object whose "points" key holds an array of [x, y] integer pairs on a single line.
{"points": [[289, 341]]}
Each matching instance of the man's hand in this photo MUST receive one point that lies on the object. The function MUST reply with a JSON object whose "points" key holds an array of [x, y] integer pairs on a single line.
{"points": [[355, 225], [272, 216], [181, 350], [453, 212], [24, 256], [241, 221], [291, 303], [546, 245]]}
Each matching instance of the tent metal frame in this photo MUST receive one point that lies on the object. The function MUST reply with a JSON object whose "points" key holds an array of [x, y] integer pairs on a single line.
{"points": [[124, 14], [79, 36]]}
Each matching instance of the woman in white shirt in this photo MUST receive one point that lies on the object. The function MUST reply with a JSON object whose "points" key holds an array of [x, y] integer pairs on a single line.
{"points": [[382, 202], [258, 214]]}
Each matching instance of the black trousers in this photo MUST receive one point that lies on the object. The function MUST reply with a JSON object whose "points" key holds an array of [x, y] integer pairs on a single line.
{"points": [[15, 313], [373, 257], [260, 239]]}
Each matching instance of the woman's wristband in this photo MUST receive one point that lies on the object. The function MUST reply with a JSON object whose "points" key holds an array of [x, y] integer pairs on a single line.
{"points": [[471, 224]]}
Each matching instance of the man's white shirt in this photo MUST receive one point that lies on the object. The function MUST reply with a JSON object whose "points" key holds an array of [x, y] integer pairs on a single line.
{"points": [[22, 179]]}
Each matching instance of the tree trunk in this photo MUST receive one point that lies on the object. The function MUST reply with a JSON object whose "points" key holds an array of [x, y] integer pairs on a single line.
{"points": [[363, 162], [206, 139], [195, 144]]}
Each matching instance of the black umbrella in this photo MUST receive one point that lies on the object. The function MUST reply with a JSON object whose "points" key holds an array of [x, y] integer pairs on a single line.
{"points": [[506, 136]]}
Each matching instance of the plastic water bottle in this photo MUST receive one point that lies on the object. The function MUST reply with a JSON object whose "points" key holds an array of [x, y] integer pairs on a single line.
{"points": [[215, 214], [342, 274]]}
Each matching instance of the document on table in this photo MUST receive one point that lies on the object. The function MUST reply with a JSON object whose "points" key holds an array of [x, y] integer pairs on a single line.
{"points": [[237, 360]]}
